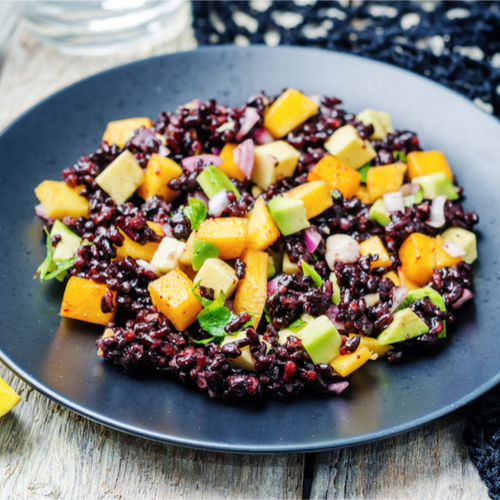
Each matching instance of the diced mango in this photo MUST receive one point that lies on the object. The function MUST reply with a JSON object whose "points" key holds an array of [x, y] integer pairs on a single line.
{"points": [[106, 335], [120, 131], [229, 166], [391, 275], [337, 175], [427, 162], [82, 300], [385, 179], [375, 246], [59, 200], [288, 111], [404, 281], [363, 194], [251, 293], [172, 295], [345, 365], [218, 276], [443, 258], [418, 258], [136, 250], [186, 256], [374, 345], [315, 195], [8, 398], [159, 172], [262, 231], [288, 266], [229, 234]]}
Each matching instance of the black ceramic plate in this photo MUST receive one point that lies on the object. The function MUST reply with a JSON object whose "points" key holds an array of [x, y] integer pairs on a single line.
{"points": [[59, 359]]}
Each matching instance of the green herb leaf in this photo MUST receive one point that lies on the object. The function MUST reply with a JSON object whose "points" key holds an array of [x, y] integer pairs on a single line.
{"points": [[266, 313], [336, 194], [196, 212], [49, 269], [217, 340], [363, 172], [214, 319], [296, 324], [310, 271], [399, 155]]}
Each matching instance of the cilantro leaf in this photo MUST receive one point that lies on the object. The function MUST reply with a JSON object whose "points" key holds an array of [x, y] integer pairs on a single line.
{"points": [[214, 319], [399, 155], [296, 324], [49, 269], [196, 212], [363, 172]]}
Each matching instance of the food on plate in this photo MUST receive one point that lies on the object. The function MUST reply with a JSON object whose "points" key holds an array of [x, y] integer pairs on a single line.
{"points": [[271, 248]]}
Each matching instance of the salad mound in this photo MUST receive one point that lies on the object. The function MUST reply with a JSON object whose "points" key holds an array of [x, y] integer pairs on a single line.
{"points": [[274, 247]]}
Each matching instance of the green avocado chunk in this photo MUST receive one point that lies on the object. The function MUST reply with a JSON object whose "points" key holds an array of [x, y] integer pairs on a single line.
{"points": [[309, 270], [465, 240], [203, 250], [213, 180], [378, 213], [288, 214], [414, 199], [436, 299], [405, 325], [69, 243], [321, 340], [271, 267], [435, 185], [336, 288]]}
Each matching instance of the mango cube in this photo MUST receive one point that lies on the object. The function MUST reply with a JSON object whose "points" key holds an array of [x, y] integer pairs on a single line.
{"points": [[288, 266], [374, 345], [391, 275], [262, 231], [187, 254], [229, 166], [273, 162], [405, 281], [418, 258], [59, 200], [120, 131], [218, 275], [363, 194], [375, 246], [345, 365], [315, 195], [172, 295], [384, 179], [346, 145], [465, 240], [8, 398], [166, 257], [288, 111], [381, 122], [121, 177], [229, 234], [159, 172], [136, 250], [427, 162], [82, 301]]}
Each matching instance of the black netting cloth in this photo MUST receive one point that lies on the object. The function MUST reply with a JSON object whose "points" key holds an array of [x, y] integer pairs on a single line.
{"points": [[454, 43]]}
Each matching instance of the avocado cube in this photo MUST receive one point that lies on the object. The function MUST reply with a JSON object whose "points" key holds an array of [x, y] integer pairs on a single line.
{"points": [[271, 268], [435, 185], [414, 199], [218, 276], [336, 288], [381, 122], [379, 213], [347, 146], [289, 267], [289, 214], [203, 250], [69, 243], [321, 340], [213, 180], [465, 240], [166, 257], [405, 325], [273, 162], [436, 299]]}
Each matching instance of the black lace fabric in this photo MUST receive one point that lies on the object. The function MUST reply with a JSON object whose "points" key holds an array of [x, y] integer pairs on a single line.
{"points": [[454, 43]]}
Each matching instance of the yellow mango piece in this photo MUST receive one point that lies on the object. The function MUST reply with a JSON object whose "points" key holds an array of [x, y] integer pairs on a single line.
{"points": [[251, 293], [288, 266], [59, 200], [288, 111], [136, 250], [337, 175], [82, 301], [418, 258], [107, 333], [363, 194], [229, 167], [375, 246], [345, 365], [185, 258], [315, 195], [8, 398], [393, 277], [172, 295], [159, 172], [120, 131], [374, 345], [229, 234], [404, 281], [385, 179], [261, 231], [443, 258], [427, 162]]}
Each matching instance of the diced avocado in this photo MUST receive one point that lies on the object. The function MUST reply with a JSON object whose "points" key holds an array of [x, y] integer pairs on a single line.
{"points": [[288, 214], [381, 122], [378, 213], [321, 340], [436, 299], [465, 240], [294, 328], [336, 288], [371, 299], [166, 257], [435, 185], [218, 275], [405, 325], [414, 199], [213, 180], [288, 266], [309, 270], [271, 268], [69, 243], [203, 250]]}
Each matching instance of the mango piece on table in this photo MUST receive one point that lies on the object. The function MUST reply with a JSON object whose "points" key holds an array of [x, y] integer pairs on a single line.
{"points": [[60, 200], [384, 179], [345, 365], [136, 250], [229, 234], [427, 162], [251, 293], [159, 172], [315, 195], [8, 398], [120, 131], [418, 258], [82, 301], [288, 111], [229, 167], [262, 231], [375, 246], [172, 295]]}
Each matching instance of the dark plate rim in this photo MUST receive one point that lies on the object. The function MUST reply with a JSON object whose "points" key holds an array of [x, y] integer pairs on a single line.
{"points": [[227, 447]]}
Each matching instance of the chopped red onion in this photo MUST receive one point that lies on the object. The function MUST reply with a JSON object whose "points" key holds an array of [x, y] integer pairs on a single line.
{"points": [[466, 295], [262, 136], [338, 387], [249, 120], [243, 157], [218, 203], [190, 162], [437, 218], [215, 151], [399, 294], [272, 286], [41, 212], [331, 314], [409, 189], [152, 316], [394, 202], [453, 249], [148, 266], [198, 194], [312, 239], [167, 230], [341, 248]]}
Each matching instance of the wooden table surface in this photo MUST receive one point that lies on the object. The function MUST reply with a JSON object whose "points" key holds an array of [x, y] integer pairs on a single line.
{"points": [[48, 452]]}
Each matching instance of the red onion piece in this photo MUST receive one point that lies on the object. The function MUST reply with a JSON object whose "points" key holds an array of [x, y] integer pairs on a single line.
{"points": [[41, 212], [409, 189], [167, 230], [272, 286], [331, 314], [341, 248], [312, 239], [216, 151], [262, 136], [466, 295], [243, 157], [151, 316], [249, 120], [218, 203], [453, 249], [394, 202], [338, 387], [198, 194], [190, 162], [399, 294], [149, 267], [163, 151], [437, 218]]}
